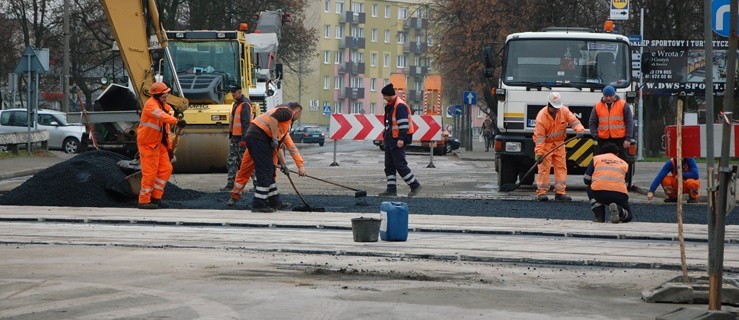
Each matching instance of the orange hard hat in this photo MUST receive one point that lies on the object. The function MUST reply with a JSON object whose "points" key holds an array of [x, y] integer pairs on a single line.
{"points": [[159, 88]]}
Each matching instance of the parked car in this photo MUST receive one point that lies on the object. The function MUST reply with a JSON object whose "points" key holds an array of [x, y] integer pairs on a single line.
{"points": [[308, 134], [447, 145], [62, 135]]}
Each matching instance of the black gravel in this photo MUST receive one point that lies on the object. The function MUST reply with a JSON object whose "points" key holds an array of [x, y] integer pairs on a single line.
{"points": [[93, 179]]}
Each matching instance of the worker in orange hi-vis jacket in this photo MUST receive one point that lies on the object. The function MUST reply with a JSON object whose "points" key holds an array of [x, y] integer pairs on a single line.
{"points": [[550, 131], [155, 147]]}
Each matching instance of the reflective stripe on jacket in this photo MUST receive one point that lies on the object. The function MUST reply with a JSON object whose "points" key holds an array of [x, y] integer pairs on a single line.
{"points": [[155, 121], [609, 173], [611, 123], [395, 124], [553, 130], [236, 126]]}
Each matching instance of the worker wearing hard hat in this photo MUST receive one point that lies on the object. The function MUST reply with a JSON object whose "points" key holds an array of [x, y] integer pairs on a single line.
{"points": [[606, 180], [155, 147], [238, 123], [612, 120], [550, 132]]}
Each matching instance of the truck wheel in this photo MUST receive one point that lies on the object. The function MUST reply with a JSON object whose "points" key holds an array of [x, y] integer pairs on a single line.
{"points": [[507, 171]]}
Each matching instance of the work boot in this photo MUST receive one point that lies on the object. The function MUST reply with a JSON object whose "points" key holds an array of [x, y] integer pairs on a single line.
{"points": [[161, 204], [281, 206], [668, 199], [562, 197], [542, 197], [148, 206], [388, 193], [599, 216], [615, 213], [263, 210], [231, 202], [415, 191]]}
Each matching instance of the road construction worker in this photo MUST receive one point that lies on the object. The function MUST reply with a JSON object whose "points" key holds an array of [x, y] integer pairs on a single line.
{"points": [[241, 112], [668, 178], [263, 137], [398, 133], [155, 147], [612, 120], [606, 181], [550, 131], [246, 169]]}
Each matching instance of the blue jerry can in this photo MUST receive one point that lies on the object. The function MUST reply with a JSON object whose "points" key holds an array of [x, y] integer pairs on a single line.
{"points": [[394, 226]]}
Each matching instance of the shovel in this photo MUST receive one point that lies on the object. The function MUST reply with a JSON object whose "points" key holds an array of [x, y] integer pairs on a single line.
{"points": [[358, 193], [306, 207], [134, 179], [508, 187]]}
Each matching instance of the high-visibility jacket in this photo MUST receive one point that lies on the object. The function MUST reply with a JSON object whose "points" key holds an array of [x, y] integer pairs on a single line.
{"points": [[611, 123], [609, 173], [154, 123], [551, 131], [395, 124], [239, 119], [262, 121]]}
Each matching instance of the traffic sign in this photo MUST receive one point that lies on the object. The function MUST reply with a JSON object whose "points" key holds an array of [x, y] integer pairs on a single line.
{"points": [[619, 10], [469, 97], [635, 39], [720, 17], [326, 110]]}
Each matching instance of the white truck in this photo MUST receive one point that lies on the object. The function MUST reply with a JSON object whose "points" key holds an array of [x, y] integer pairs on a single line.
{"points": [[576, 62]]}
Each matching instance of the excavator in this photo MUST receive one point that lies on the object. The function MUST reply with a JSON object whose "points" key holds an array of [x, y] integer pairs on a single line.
{"points": [[199, 65]]}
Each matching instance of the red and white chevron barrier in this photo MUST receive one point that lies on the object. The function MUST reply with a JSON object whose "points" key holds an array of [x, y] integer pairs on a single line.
{"points": [[370, 126]]}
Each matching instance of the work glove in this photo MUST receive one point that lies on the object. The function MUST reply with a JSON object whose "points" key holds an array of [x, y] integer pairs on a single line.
{"points": [[539, 158], [181, 123], [275, 143], [580, 134], [285, 170], [242, 143]]}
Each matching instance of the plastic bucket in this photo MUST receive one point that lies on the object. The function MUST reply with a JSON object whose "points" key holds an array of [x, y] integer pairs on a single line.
{"points": [[394, 221], [365, 229]]}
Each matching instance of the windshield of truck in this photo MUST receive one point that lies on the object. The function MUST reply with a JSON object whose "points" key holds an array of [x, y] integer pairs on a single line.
{"points": [[206, 57], [567, 63]]}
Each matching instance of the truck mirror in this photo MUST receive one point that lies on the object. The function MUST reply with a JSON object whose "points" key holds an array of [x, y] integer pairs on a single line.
{"points": [[487, 55]]}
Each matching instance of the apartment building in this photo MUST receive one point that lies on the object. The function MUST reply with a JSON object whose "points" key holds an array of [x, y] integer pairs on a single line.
{"points": [[361, 43]]}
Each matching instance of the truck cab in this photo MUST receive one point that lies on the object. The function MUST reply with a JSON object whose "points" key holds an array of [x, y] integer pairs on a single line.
{"points": [[576, 63]]}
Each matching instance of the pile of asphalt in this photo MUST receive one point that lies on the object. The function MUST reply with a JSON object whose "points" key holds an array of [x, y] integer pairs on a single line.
{"points": [[90, 179]]}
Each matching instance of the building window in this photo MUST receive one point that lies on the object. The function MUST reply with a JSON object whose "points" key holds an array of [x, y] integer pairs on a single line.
{"points": [[373, 108], [374, 35], [326, 5], [402, 61], [401, 37], [402, 13], [374, 10], [338, 83], [355, 82], [387, 36], [387, 12], [386, 60], [356, 56], [339, 6], [337, 107], [339, 32], [480, 114], [326, 31], [385, 82], [326, 57], [326, 82], [373, 84], [373, 59], [357, 107], [430, 41], [357, 7]]}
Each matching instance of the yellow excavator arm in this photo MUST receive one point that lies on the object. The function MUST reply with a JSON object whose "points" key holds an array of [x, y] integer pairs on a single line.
{"points": [[128, 19]]}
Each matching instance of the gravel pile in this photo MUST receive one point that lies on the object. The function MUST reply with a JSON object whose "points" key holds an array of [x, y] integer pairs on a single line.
{"points": [[90, 179]]}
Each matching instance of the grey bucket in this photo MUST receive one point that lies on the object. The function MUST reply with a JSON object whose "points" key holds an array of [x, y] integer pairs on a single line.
{"points": [[366, 229]]}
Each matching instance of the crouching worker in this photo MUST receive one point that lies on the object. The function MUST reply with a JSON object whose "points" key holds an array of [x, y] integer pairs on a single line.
{"points": [[606, 180], [668, 178]]}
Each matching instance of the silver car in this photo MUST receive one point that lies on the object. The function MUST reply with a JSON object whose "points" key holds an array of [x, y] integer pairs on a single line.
{"points": [[62, 135]]}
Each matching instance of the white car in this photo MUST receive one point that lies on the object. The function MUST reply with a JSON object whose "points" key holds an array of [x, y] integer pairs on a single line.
{"points": [[62, 135]]}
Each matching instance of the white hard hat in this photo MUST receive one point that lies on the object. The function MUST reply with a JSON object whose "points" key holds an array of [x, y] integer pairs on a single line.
{"points": [[555, 100]]}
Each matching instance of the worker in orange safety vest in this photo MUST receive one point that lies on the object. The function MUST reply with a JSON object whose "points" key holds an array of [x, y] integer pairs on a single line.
{"points": [[241, 114], [606, 181], [549, 132], [155, 147], [668, 178], [612, 120]]}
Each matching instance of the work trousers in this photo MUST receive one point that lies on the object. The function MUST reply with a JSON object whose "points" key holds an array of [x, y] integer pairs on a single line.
{"points": [[235, 155], [600, 199], [265, 191], [395, 162], [558, 159], [690, 187], [156, 169], [246, 170]]}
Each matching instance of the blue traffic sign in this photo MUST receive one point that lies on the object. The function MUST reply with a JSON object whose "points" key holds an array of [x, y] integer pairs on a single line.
{"points": [[326, 110], [469, 97], [720, 17], [455, 110], [635, 39]]}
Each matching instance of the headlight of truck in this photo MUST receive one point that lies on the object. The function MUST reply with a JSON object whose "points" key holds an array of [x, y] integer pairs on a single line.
{"points": [[513, 147]]}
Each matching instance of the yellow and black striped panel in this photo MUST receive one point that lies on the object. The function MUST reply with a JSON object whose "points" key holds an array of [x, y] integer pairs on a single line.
{"points": [[580, 151]]}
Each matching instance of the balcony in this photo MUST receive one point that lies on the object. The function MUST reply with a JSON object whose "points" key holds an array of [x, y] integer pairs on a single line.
{"points": [[415, 23], [418, 47], [353, 17], [354, 43], [353, 93], [352, 68], [418, 71]]}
